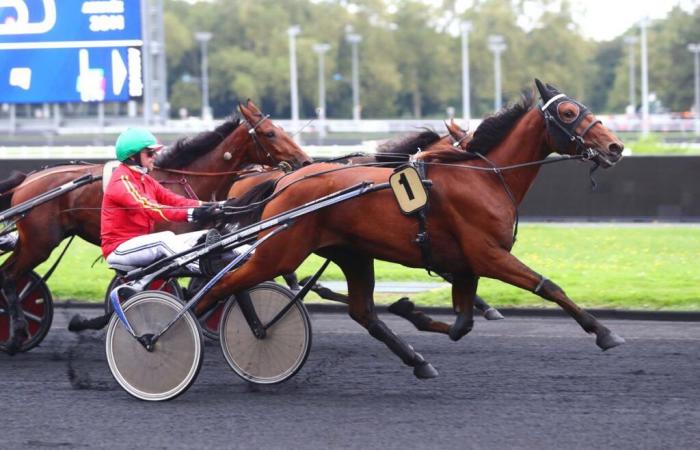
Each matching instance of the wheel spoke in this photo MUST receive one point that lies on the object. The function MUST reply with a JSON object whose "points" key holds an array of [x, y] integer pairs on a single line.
{"points": [[33, 317]]}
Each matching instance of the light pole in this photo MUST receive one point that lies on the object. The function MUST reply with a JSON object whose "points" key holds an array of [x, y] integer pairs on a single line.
{"points": [[354, 39], [695, 48], [293, 31], [321, 49], [645, 76], [497, 45], [465, 27], [631, 41], [203, 38]]}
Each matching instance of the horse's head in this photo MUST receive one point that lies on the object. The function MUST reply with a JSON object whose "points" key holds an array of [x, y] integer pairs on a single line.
{"points": [[573, 129], [272, 145]]}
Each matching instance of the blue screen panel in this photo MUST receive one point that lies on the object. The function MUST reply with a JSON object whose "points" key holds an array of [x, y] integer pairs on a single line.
{"points": [[33, 21], [70, 75]]}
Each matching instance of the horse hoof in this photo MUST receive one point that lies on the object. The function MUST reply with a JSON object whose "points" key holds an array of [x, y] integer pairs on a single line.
{"points": [[609, 340], [425, 371], [76, 323], [14, 345], [401, 307], [493, 314]]}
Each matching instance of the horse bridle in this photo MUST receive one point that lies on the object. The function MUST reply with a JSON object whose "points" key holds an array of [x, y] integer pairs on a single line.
{"points": [[284, 165], [565, 133]]}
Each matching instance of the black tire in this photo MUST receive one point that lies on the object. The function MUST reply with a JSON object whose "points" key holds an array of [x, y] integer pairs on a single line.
{"points": [[176, 359], [278, 356], [38, 309]]}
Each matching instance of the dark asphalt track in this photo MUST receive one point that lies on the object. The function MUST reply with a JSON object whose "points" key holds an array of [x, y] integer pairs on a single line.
{"points": [[517, 383]]}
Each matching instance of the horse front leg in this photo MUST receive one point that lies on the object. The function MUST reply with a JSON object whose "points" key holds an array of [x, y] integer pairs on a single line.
{"points": [[509, 269], [359, 272], [488, 311]]}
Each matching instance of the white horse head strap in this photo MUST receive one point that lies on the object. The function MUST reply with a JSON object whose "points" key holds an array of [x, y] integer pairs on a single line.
{"points": [[552, 100]]}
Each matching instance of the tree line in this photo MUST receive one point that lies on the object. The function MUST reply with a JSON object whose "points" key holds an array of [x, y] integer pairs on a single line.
{"points": [[410, 55]]}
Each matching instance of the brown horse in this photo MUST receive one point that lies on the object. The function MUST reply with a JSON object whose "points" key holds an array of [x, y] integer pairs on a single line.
{"points": [[206, 165], [471, 219], [390, 154]]}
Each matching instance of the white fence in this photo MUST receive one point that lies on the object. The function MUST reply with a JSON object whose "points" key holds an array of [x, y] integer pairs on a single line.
{"points": [[114, 125]]}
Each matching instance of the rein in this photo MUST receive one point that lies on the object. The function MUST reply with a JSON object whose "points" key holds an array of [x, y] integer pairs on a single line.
{"points": [[41, 176], [209, 174]]}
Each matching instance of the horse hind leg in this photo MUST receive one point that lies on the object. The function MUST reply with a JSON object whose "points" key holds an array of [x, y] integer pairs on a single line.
{"points": [[359, 272], [463, 294], [18, 322]]}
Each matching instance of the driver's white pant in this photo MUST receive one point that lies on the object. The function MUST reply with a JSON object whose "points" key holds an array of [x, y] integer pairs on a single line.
{"points": [[8, 241], [147, 249]]}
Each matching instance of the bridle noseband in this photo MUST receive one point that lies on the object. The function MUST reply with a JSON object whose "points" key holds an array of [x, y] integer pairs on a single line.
{"points": [[565, 133]]}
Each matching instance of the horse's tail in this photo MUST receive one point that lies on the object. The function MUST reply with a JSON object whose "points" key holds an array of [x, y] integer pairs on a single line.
{"points": [[15, 179], [255, 198]]}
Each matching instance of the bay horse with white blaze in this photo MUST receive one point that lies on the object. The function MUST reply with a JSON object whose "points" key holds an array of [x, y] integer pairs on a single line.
{"points": [[470, 222], [204, 166]]}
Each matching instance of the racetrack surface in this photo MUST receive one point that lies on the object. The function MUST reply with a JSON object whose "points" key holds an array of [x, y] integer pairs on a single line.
{"points": [[516, 383]]}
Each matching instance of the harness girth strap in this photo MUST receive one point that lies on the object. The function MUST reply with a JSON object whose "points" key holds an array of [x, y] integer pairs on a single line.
{"points": [[422, 238]]}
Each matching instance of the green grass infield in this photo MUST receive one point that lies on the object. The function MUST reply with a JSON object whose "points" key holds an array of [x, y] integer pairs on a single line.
{"points": [[603, 266]]}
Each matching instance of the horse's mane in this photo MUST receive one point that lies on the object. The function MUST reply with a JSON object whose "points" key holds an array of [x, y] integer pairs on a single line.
{"points": [[186, 150], [400, 148], [489, 134]]}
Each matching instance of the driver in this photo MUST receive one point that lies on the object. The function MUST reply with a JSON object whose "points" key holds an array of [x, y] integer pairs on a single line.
{"points": [[134, 202]]}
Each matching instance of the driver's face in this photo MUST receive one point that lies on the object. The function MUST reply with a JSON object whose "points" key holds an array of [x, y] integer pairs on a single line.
{"points": [[147, 158]]}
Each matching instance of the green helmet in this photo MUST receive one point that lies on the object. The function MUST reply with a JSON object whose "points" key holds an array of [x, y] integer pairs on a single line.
{"points": [[133, 140]]}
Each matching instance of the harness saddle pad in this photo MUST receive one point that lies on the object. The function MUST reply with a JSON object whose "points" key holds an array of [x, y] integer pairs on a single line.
{"points": [[107, 171]]}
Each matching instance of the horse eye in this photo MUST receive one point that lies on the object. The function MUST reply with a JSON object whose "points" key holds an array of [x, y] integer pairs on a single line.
{"points": [[270, 134]]}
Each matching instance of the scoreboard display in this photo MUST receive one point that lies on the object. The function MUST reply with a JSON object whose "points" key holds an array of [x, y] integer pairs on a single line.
{"points": [[55, 51]]}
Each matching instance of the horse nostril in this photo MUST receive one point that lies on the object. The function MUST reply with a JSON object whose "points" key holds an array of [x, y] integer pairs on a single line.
{"points": [[305, 163], [616, 148]]}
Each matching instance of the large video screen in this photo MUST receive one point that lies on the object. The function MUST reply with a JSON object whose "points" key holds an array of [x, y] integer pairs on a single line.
{"points": [[55, 51]]}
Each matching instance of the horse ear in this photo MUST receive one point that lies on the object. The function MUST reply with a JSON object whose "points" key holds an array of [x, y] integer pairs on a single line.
{"points": [[544, 92], [552, 89]]}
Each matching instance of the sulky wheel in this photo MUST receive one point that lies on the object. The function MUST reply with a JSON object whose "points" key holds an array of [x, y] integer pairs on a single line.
{"points": [[169, 285], [211, 319], [172, 366], [38, 309], [285, 347]]}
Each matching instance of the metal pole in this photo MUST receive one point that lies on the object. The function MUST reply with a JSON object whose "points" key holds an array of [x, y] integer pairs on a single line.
{"points": [[497, 46], [631, 41], [354, 40], [697, 90], [695, 48], [147, 62], [293, 85], [203, 37], [645, 77], [13, 119], [465, 27], [101, 115], [56, 116], [321, 49], [160, 64]]}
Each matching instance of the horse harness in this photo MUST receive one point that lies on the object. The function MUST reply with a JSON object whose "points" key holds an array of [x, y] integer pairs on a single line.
{"points": [[409, 183]]}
